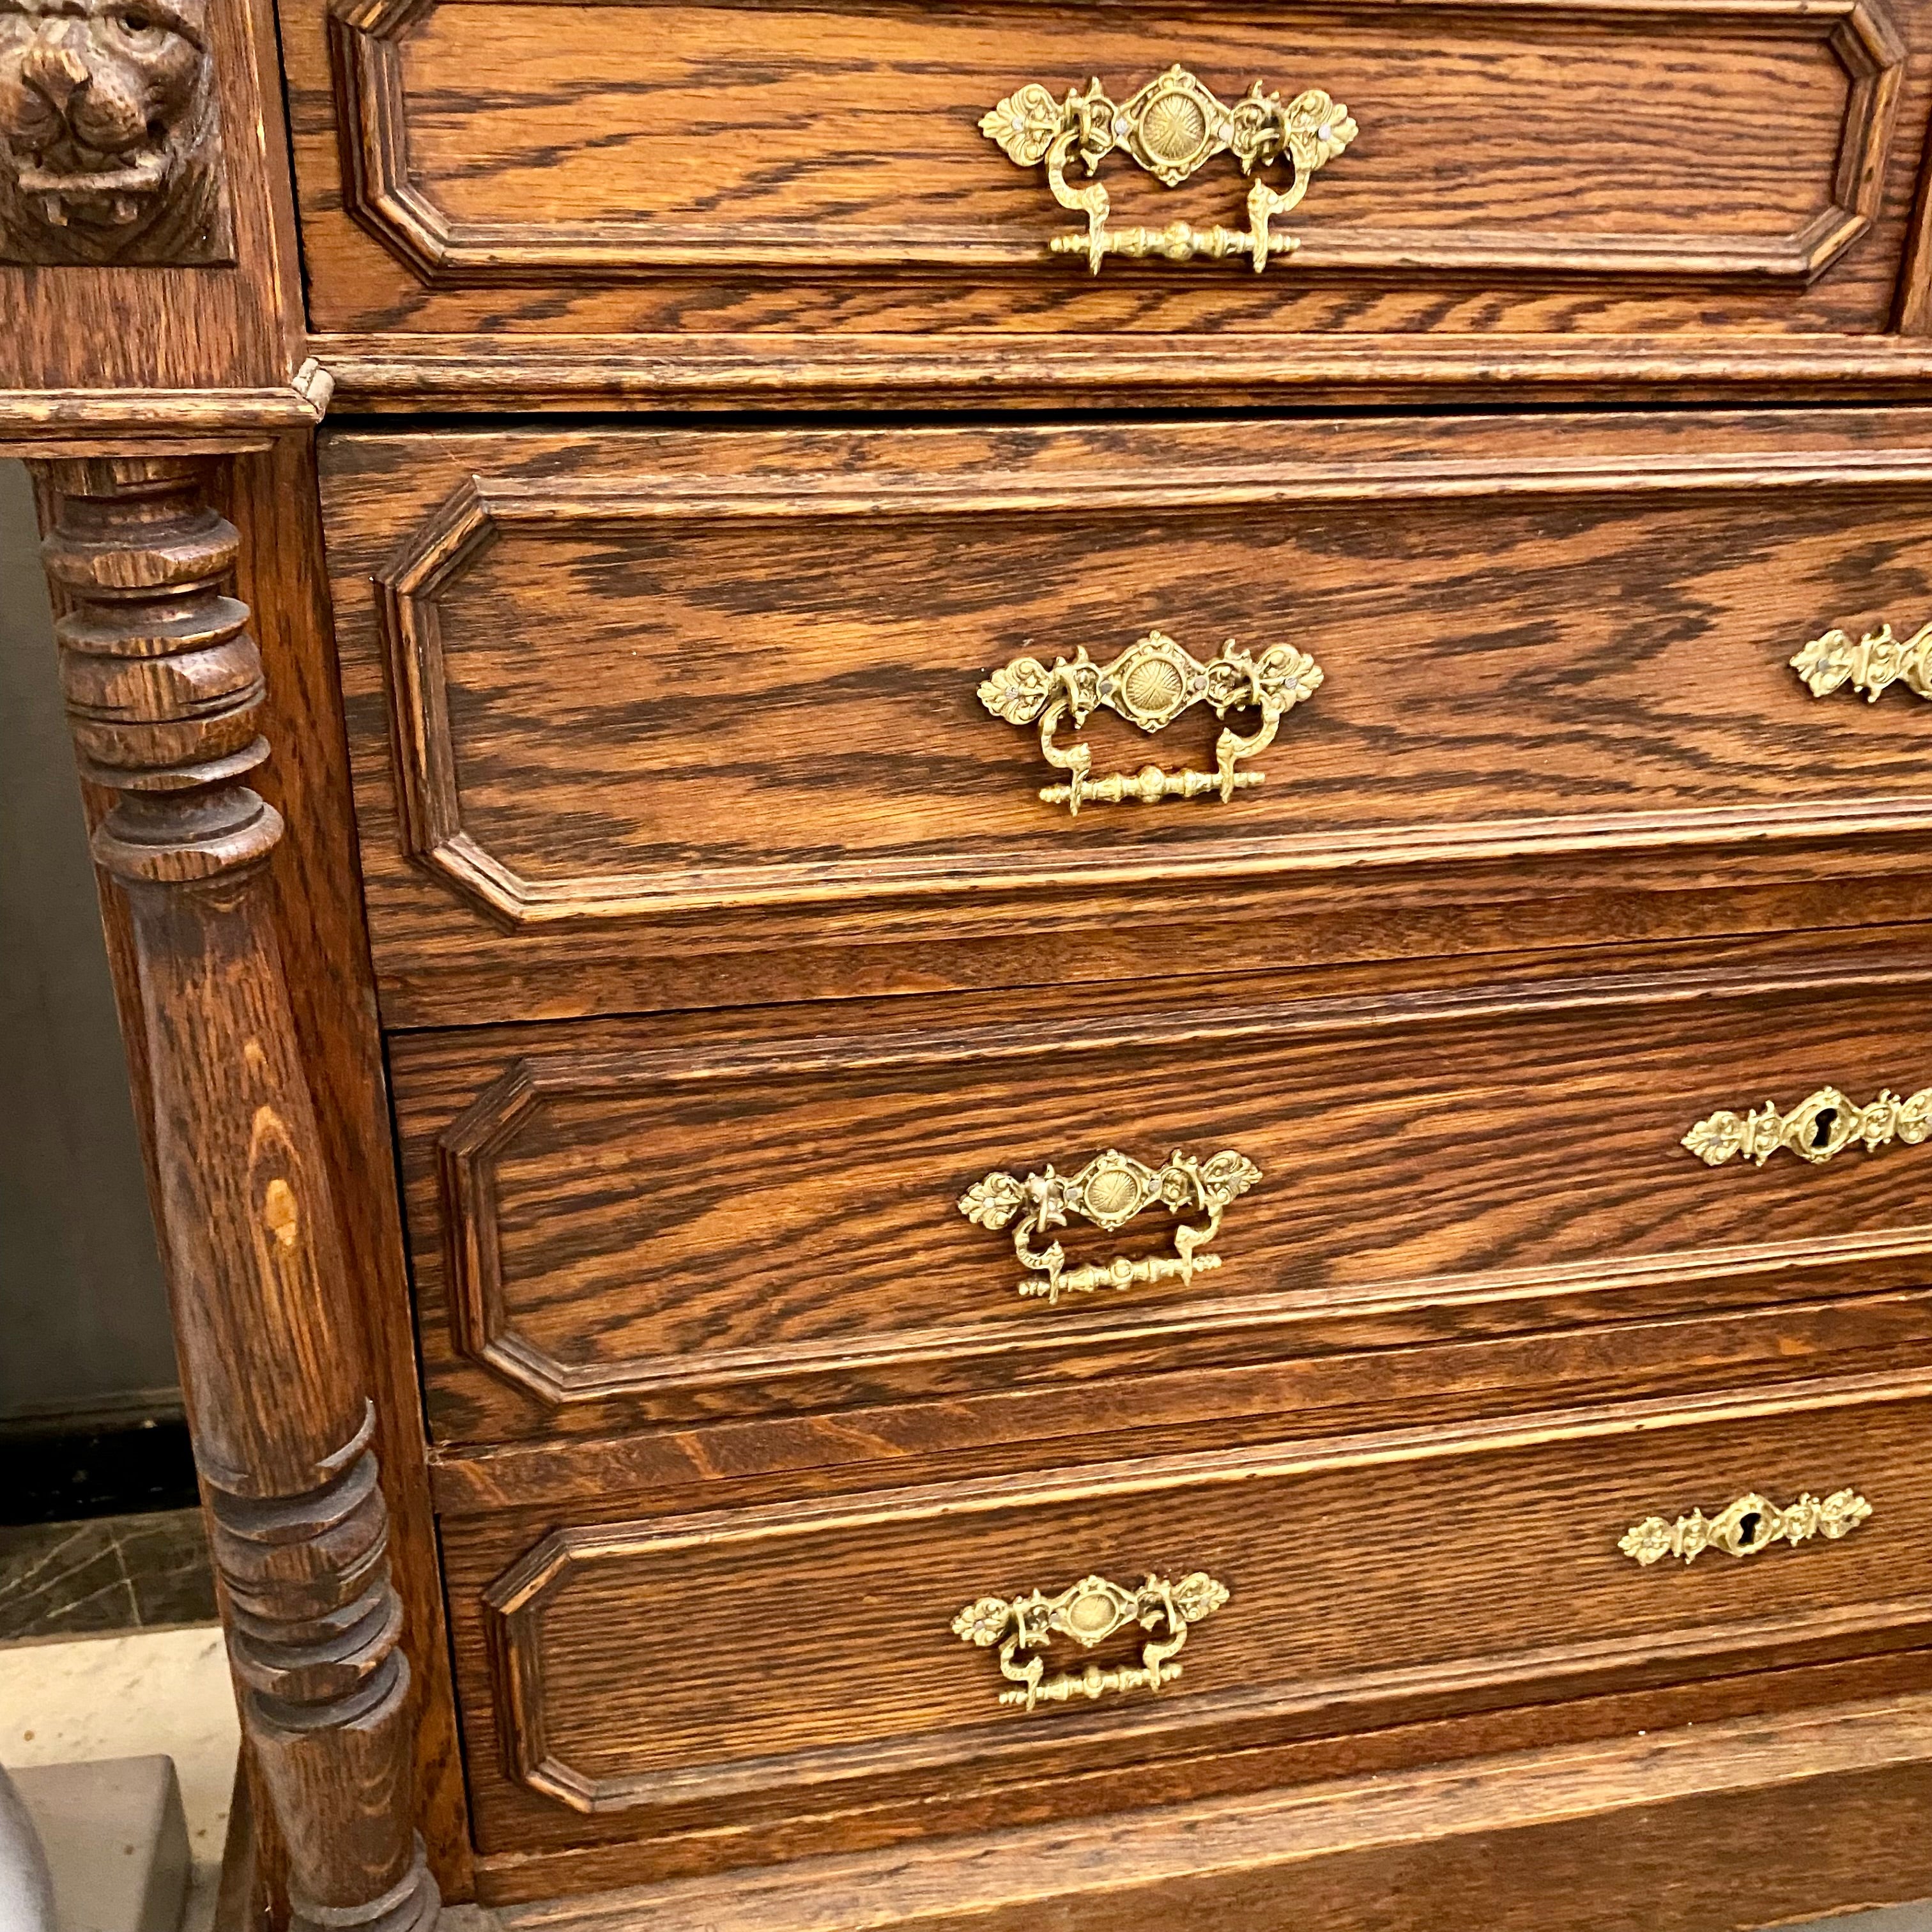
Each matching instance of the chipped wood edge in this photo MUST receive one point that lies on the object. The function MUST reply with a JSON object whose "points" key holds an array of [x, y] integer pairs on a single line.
{"points": [[52, 424]]}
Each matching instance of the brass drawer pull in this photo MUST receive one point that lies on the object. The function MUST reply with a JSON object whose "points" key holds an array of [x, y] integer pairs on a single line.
{"points": [[1150, 685], [1112, 1188], [1745, 1528], [1873, 665], [1171, 128], [1090, 1612], [1821, 1125]]}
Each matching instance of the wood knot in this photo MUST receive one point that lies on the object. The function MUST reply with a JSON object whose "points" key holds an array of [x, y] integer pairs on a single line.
{"points": [[281, 1213]]}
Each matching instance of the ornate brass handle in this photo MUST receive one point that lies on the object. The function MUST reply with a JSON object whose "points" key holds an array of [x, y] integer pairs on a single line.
{"points": [[1150, 684], [1089, 1612], [1112, 1188], [1746, 1528], [1873, 664], [1821, 1125], [1172, 127]]}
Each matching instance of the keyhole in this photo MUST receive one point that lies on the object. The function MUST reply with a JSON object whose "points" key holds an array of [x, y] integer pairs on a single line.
{"points": [[1747, 1529], [1821, 1127]]}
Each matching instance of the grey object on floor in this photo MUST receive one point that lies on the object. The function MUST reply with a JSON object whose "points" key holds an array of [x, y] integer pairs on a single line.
{"points": [[26, 1891], [115, 1841]]}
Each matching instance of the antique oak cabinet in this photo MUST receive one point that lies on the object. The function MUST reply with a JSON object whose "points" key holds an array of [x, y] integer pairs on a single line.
{"points": [[1025, 911]]}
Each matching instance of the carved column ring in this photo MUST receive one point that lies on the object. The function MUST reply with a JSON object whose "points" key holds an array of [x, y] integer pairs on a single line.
{"points": [[191, 699]]}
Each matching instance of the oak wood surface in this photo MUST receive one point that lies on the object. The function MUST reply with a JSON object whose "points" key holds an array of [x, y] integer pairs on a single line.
{"points": [[1348, 1372], [324, 947], [322, 941], [655, 693], [237, 326], [629, 1223], [1689, 1830], [163, 686], [51, 422], [728, 169], [398, 373], [1764, 1694], [1372, 1578]]}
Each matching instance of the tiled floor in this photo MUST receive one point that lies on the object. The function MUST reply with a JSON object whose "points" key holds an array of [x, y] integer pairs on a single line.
{"points": [[115, 1573]]}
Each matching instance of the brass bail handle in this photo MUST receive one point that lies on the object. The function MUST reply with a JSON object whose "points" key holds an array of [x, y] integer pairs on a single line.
{"points": [[1172, 127], [1089, 1612], [1151, 683], [1109, 1191]]}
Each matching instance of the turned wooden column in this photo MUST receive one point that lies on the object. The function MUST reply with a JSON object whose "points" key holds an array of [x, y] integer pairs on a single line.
{"points": [[163, 684]]}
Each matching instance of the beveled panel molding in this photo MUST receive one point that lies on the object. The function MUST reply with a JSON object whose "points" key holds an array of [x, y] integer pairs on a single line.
{"points": [[747, 1587], [435, 556], [1263, 1304], [383, 192]]}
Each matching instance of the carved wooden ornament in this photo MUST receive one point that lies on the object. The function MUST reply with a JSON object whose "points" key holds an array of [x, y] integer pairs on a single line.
{"points": [[110, 134]]}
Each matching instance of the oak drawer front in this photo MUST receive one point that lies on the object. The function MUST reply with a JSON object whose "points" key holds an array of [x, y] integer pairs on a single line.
{"points": [[1622, 168], [641, 1676], [647, 692], [621, 1222]]}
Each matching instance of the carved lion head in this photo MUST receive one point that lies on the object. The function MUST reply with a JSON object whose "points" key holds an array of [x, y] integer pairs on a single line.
{"points": [[109, 144]]}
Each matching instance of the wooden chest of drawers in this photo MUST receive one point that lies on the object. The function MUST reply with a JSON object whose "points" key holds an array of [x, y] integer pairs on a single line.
{"points": [[1118, 1111]]}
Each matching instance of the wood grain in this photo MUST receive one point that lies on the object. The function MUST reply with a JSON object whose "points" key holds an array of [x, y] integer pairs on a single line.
{"points": [[397, 372], [815, 1670], [1814, 1811], [770, 168], [164, 686], [126, 327], [613, 1224], [54, 423], [674, 687], [324, 947], [1338, 1372]]}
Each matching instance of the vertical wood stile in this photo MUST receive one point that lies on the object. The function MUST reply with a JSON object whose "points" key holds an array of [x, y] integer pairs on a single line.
{"points": [[162, 683]]}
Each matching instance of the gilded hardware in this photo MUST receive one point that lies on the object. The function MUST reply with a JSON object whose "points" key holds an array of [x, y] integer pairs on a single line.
{"points": [[1745, 1528], [1821, 1125], [1873, 664], [1150, 684], [1111, 1189], [1090, 1612], [1171, 128]]}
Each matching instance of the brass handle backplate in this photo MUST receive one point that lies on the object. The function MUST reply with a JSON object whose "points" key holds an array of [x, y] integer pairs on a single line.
{"points": [[1172, 127], [1873, 665], [1089, 1612], [1150, 684], [1746, 1528], [1822, 1125], [1111, 1189]]}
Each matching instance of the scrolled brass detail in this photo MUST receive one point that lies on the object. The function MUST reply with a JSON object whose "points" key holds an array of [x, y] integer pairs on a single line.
{"points": [[1089, 1612], [1109, 1191], [1746, 1528], [1150, 685], [1822, 1126], [1873, 665], [1172, 127]]}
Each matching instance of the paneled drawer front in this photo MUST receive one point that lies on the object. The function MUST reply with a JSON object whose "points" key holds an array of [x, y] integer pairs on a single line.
{"points": [[802, 1656], [642, 692], [1620, 168], [617, 1222]]}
